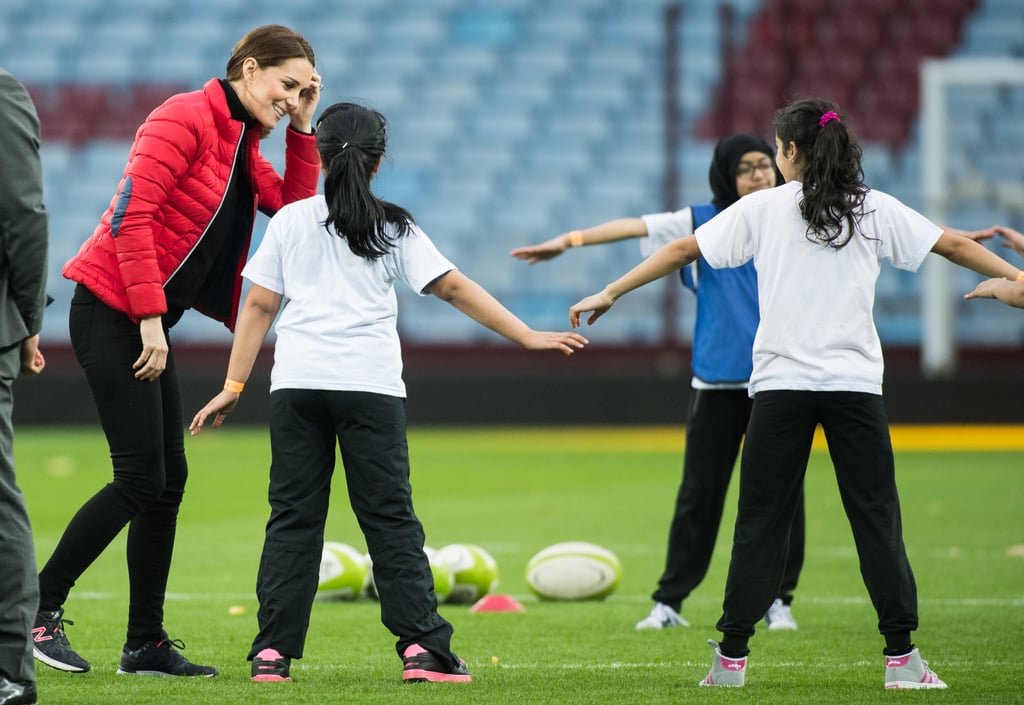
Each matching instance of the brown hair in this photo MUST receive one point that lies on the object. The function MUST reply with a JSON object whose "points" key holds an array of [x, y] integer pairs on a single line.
{"points": [[270, 45]]}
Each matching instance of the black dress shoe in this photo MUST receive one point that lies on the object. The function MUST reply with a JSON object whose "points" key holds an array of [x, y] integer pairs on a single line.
{"points": [[17, 693]]}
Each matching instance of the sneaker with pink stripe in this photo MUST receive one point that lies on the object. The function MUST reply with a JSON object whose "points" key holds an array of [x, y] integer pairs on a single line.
{"points": [[909, 671], [725, 671]]}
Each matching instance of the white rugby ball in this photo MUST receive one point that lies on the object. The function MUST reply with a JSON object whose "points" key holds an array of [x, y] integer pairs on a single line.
{"points": [[474, 572], [342, 572], [574, 570]]}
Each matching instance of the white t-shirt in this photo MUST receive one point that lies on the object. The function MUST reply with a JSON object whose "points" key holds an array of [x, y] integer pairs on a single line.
{"points": [[338, 324], [817, 331], [663, 228]]}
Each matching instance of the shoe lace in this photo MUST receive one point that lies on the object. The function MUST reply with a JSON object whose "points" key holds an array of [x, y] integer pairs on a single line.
{"points": [[56, 626], [175, 643]]}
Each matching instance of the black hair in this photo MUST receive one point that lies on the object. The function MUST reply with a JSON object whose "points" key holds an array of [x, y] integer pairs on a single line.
{"points": [[833, 179], [351, 140], [725, 160]]}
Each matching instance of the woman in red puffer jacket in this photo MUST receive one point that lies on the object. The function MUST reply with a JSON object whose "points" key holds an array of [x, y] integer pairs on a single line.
{"points": [[175, 237]]}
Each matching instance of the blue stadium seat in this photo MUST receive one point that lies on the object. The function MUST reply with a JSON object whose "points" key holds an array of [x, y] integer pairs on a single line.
{"points": [[549, 114]]}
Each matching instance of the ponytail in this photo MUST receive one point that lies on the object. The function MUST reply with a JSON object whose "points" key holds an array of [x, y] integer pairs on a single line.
{"points": [[351, 140], [832, 177]]}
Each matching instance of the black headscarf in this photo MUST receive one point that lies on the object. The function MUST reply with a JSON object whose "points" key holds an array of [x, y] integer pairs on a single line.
{"points": [[722, 175]]}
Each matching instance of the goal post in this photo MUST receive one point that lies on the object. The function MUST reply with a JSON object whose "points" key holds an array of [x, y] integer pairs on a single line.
{"points": [[938, 299]]}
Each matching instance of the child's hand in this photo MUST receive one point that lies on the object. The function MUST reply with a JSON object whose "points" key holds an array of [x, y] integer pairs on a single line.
{"points": [[566, 343], [545, 250], [599, 303], [222, 404]]}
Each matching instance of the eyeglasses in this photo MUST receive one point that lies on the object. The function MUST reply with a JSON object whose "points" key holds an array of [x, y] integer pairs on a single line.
{"points": [[745, 169]]}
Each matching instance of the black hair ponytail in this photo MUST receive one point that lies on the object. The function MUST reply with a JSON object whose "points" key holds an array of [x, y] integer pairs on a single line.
{"points": [[351, 140], [832, 177]]}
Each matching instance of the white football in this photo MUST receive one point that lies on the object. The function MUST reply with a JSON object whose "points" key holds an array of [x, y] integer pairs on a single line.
{"points": [[474, 572], [342, 572], [574, 570]]}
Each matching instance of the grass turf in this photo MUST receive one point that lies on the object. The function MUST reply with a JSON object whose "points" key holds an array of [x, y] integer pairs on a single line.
{"points": [[514, 492]]}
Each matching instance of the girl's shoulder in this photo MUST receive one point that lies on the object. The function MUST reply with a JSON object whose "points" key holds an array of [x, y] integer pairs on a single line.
{"points": [[304, 207]]}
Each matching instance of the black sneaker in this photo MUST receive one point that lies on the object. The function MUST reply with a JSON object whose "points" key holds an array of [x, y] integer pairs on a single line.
{"points": [[269, 666], [159, 658], [420, 665], [50, 643]]}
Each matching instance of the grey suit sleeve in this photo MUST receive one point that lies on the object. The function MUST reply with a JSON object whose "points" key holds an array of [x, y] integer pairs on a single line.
{"points": [[24, 222]]}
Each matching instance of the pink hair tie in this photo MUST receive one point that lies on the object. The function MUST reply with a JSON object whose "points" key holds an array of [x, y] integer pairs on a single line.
{"points": [[827, 118]]}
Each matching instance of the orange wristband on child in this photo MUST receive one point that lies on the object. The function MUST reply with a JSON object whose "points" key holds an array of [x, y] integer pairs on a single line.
{"points": [[575, 238], [233, 386], [1020, 277]]}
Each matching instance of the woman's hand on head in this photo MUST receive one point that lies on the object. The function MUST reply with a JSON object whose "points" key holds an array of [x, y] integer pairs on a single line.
{"points": [[309, 98]]}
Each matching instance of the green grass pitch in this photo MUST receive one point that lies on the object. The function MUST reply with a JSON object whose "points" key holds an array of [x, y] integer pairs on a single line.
{"points": [[514, 492]]}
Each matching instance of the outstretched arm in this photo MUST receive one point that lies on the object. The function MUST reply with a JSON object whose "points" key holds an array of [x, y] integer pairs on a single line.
{"points": [[670, 258], [1009, 292], [257, 315], [473, 300], [978, 235], [1014, 240], [610, 231], [972, 255]]}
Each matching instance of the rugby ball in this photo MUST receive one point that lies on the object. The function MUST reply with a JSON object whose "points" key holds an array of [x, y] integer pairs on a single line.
{"points": [[574, 570], [440, 570], [342, 572], [443, 577], [474, 572]]}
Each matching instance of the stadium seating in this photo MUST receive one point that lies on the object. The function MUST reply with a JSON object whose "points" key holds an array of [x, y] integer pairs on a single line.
{"points": [[514, 120]]}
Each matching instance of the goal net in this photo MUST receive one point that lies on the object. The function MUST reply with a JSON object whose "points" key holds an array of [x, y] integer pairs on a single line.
{"points": [[972, 176]]}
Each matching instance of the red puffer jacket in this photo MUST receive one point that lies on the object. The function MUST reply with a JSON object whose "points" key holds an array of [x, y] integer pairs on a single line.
{"points": [[178, 170]]}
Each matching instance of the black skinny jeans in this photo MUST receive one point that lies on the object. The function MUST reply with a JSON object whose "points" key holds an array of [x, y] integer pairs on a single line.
{"points": [[144, 426]]}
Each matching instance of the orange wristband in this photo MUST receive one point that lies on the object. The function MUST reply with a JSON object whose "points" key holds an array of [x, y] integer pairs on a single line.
{"points": [[575, 238], [1020, 277], [233, 386]]}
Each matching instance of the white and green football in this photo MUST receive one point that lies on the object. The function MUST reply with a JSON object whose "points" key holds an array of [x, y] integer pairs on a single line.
{"points": [[474, 572], [342, 572], [574, 570]]}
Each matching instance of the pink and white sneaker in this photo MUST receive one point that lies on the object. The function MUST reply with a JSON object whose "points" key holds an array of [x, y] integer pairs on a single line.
{"points": [[910, 672], [725, 671]]}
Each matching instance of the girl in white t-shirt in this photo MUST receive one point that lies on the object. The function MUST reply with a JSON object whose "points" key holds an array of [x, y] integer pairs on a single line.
{"points": [[817, 243], [719, 406], [329, 264]]}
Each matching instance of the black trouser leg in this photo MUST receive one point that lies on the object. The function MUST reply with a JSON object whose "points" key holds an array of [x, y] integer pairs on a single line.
{"points": [[857, 431], [715, 426], [774, 462]]}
